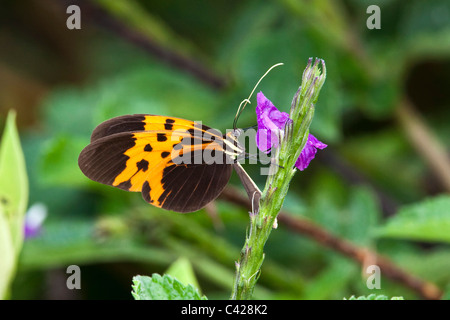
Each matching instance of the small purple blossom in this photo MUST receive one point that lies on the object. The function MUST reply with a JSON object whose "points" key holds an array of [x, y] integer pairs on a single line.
{"points": [[34, 218], [271, 122], [309, 152]]}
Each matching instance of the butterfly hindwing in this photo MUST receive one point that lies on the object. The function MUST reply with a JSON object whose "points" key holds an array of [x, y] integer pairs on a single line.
{"points": [[140, 153], [187, 188]]}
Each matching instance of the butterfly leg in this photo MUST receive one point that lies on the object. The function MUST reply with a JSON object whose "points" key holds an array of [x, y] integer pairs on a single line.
{"points": [[253, 192]]}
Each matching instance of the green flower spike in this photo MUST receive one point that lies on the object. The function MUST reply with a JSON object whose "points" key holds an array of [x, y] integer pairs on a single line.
{"points": [[291, 141]]}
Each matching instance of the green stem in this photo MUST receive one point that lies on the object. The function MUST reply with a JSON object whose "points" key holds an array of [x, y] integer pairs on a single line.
{"points": [[261, 224], [248, 268]]}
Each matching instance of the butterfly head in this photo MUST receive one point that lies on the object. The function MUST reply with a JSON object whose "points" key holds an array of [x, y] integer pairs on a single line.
{"points": [[232, 146]]}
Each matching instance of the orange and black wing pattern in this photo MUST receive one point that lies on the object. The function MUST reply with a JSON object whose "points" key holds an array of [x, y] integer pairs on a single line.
{"points": [[161, 157]]}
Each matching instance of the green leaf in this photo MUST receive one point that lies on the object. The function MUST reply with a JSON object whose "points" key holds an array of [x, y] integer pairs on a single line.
{"points": [[428, 220], [78, 105], [326, 284], [374, 296], [446, 295], [163, 287], [81, 240], [424, 29], [134, 15], [59, 162], [362, 216], [182, 270], [13, 201], [380, 97], [383, 155], [153, 90], [7, 263]]}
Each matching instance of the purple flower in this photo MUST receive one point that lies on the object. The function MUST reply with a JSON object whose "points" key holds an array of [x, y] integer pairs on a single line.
{"points": [[271, 123], [309, 152], [34, 218]]}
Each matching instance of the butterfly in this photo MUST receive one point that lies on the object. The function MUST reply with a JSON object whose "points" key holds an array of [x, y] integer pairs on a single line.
{"points": [[176, 164]]}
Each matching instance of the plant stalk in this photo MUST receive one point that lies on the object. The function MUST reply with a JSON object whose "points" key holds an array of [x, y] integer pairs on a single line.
{"points": [[282, 169]]}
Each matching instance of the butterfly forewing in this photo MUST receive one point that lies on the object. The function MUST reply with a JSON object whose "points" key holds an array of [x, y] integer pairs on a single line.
{"points": [[159, 157]]}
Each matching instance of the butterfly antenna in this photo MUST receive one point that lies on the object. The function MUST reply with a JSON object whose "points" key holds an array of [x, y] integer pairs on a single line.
{"points": [[245, 101], [252, 127]]}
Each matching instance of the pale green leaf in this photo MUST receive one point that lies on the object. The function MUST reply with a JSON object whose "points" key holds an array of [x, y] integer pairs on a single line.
{"points": [[7, 252], [163, 287], [428, 220], [59, 162], [374, 296], [362, 216], [182, 270], [13, 201]]}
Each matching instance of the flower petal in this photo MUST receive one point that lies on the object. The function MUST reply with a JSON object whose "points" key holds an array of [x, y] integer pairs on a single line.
{"points": [[263, 140], [34, 218], [270, 122], [309, 152]]}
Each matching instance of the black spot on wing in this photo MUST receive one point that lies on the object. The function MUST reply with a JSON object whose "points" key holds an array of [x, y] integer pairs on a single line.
{"points": [[168, 125], [126, 185], [165, 154], [202, 127], [148, 148], [146, 192], [161, 137], [142, 165]]}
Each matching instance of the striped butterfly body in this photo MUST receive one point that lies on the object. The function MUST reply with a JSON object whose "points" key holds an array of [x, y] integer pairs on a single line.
{"points": [[176, 164]]}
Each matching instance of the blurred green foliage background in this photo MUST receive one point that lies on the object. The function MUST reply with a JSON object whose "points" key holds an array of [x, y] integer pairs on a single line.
{"points": [[382, 184]]}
